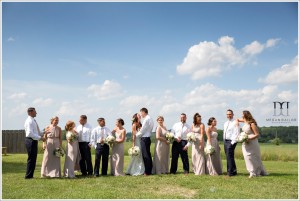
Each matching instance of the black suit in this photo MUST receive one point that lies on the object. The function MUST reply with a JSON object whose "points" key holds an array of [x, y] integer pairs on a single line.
{"points": [[86, 166], [177, 149], [32, 148], [145, 146]]}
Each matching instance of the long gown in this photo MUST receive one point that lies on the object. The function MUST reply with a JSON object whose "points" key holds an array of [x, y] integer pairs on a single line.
{"points": [[251, 152], [136, 165], [117, 157], [214, 162], [161, 156], [72, 159], [198, 156], [51, 163]]}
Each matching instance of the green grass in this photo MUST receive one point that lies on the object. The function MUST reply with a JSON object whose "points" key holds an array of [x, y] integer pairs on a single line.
{"points": [[282, 183]]}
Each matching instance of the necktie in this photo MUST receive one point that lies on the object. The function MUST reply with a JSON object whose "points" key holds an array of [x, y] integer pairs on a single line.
{"points": [[102, 133], [38, 129], [226, 130], [81, 133], [181, 132]]}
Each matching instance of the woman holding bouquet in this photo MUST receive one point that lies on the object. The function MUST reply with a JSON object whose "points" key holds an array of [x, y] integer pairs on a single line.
{"points": [[117, 153], [136, 165], [162, 149], [198, 156], [250, 147], [72, 151], [51, 163], [214, 162]]}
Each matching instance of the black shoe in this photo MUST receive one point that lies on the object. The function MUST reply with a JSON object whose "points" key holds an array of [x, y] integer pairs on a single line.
{"points": [[96, 175]]}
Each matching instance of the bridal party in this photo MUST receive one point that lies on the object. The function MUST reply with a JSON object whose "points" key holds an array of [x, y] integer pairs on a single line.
{"points": [[170, 144]]}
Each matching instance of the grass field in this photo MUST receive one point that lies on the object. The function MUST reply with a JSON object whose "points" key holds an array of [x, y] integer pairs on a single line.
{"points": [[282, 183]]}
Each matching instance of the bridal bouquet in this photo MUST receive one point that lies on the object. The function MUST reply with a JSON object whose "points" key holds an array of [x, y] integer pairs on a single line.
{"points": [[170, 137], [138, 134], [209, 149], [71, 136], [191, 137], [242, 137], [59, 152], [134, 151], [110, 140]]}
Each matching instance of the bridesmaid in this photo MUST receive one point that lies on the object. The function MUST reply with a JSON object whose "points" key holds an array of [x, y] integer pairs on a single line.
{"points": [[162, 149], [251, 150], [117, 153], [214, 162], [72, 152], [198, 156], [51, 163]]}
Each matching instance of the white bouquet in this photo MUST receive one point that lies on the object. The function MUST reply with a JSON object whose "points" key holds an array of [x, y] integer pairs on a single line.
{"points": [[170, 137], [71, 136], [134, 151], [209, 149], [138, 134], [242, 137], [59, 152], [110, 140], [191, 137]]}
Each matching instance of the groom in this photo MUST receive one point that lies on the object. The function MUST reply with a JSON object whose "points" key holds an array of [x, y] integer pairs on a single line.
{"points": [[146, 131]]}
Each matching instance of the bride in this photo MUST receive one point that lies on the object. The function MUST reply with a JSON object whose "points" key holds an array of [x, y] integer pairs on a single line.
{"points": [[136, 165]]}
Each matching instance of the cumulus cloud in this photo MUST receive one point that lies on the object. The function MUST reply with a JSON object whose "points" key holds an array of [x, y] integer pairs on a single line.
{"points": [[109, 89], [285, 74], [92, 74], [43, 102], [18, 96], [11, 39], [211, 59], [18, 110]]}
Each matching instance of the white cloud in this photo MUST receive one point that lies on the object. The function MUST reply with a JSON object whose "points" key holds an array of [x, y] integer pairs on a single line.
{"points": [[18, 96], [109, 89], [285, 74], [18, 110], [92, 74], [211, 59], [41, 102], [287, 95], [11, 39]]}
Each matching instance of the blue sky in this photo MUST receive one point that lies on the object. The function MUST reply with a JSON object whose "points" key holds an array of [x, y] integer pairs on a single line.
{"points": [[111, 59]]}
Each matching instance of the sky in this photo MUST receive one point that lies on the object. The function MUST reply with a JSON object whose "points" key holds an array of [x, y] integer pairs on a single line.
{"points": [[111, 59]]}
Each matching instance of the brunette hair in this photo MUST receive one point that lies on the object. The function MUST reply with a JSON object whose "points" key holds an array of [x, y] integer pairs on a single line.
{"points": [[195, 118], [210, 120], [248, 117], [144, 110], [121, 121]]}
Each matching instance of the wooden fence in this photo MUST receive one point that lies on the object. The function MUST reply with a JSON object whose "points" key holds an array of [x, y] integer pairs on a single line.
{"points": [[14, 140]]}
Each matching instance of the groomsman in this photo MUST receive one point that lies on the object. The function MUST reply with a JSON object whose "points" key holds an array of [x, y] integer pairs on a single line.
{"points": [[84, 130], [180, 145], [99, 135], [230, 133], [146, 130], [33, 134]]}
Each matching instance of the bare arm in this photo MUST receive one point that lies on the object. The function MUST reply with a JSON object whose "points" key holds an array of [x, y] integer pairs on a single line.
{"points": [[60, 137], [255, 131], [133, 134], [202, 131], [208, 131]]}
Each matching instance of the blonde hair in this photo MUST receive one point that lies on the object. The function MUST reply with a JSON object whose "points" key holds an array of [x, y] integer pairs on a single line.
{"points": [[160, 117], [69, 125], [53, 118]]}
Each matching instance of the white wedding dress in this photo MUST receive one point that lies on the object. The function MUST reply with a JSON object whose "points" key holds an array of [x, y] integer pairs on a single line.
{"points": [[136, 165]]}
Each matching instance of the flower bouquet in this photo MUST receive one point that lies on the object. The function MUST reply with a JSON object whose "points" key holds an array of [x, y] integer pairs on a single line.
{"points": [[110, 140], [71, 136], [134, 151], [59, 152], [170, 137], [209, 149], [242, 137], [191, 137]]}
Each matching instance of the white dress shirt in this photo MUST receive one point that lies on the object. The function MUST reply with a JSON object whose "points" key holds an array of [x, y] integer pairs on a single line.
{"points": [[181, 130], [32, 129], [231, 131], [84, 132], [147, 126], [98, 134]]}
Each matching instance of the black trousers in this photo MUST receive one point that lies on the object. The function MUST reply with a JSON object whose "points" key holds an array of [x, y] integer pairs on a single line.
{"points": [[86, 166], [101, 150], [32, 148], [145, 145], [229, 151], [177, 149]]}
